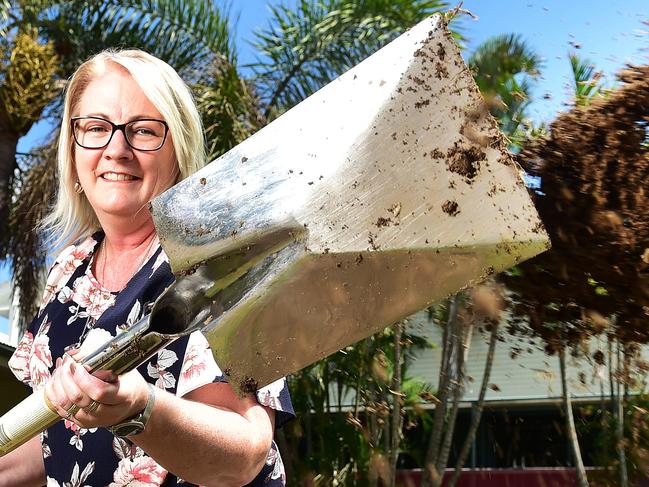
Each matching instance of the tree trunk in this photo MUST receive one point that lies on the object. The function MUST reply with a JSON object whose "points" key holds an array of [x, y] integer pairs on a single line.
{"points": [[570, 422], [397, 422], [619, 417], [444, 387], [286, 452], [8, 143], [466, 331], [477, 412], [373, 479], [611, 382]]}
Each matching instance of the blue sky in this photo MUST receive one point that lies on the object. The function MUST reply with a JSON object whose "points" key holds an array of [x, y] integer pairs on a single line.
{"points": [[610, 34]]}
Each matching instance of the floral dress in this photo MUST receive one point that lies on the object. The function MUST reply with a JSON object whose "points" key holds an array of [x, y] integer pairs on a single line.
{"points": [[75, 307]]}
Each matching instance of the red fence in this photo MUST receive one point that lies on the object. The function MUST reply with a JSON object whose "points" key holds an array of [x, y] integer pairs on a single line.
{"points": [[528, 477]]}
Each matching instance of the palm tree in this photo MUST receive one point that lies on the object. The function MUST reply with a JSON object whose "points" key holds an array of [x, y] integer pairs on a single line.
{"points": [[505, 67]]}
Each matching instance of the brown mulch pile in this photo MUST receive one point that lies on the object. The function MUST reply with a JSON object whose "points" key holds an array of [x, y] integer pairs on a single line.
{"points": [[594, 202]]}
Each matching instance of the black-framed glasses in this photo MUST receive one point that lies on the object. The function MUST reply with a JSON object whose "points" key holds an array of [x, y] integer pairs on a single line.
{"points": [[145, 134]]}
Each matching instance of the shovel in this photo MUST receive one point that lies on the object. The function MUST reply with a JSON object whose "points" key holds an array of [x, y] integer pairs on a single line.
{"points": [[384, 192]]}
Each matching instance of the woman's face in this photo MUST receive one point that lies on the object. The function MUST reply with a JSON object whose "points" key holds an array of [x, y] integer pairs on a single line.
{"points": [[118, 180]]}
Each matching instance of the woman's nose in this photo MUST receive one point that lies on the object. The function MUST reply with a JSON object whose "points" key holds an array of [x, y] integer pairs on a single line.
{"points": [[118, 147]]}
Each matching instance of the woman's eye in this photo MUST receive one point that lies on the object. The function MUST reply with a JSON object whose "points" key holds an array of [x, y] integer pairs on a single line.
{"points": [[97, 128]]}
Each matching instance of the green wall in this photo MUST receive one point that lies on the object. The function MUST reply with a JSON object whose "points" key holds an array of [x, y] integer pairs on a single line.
{"points": [[11, 390]]}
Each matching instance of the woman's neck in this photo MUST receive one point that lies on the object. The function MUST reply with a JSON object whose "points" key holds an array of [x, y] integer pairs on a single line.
{"points": [[124, 234], [122, 252]]}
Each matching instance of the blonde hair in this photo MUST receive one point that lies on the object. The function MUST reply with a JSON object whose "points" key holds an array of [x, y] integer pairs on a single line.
{"points": [[72, 217]]}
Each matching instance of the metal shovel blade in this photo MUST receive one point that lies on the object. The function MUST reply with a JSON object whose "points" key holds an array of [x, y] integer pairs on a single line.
{"points": [[393, 189]]}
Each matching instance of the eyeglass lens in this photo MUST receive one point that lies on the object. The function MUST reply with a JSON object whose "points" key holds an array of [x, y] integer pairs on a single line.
{"points": [[94, 133]]}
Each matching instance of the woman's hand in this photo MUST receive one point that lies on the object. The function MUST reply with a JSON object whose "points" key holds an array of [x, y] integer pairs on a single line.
{"points": [[103, 399]]}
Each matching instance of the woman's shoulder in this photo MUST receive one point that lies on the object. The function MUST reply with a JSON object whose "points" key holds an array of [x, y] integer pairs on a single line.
{"points": [[78, 250], [65, 265]]}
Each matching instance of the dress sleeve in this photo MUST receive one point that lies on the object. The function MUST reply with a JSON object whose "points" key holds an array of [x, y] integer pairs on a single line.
{"points": [[200, 368]]}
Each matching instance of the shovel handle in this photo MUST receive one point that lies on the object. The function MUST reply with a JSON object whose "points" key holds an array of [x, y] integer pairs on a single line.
{"points": [[26, 420]]}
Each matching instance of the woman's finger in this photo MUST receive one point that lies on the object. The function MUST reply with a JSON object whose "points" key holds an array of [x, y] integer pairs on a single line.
{"points": [[74, 391], [56, 394], [95, 388]]}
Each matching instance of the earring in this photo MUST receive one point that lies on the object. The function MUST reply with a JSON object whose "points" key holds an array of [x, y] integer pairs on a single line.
{"points": [[78, 188]]}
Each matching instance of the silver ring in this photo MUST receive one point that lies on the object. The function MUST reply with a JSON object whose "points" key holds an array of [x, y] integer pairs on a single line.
{"points": [[91, 408]]}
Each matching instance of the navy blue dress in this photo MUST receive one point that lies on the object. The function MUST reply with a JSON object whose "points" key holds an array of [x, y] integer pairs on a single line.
{"points": [[75, 308]]}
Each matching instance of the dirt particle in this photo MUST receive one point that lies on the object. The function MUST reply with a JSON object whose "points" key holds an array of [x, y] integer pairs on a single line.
{"points": [[383, 222], [244, 159], [248, 385], [359, 259], [440, 71], [450, 207], [441, 52], [465, 161], [395, 209], [372, 242], [423, 103], [203, 181], [190, 270]]}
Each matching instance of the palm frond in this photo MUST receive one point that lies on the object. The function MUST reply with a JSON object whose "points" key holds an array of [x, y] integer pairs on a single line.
{"points": [[25, 244], [5, 14], [304, 48], [586, 79], [504, 67], [228, 108], [185, 33], [502, 57]]}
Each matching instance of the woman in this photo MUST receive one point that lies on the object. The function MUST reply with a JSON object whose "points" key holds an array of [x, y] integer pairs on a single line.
{"points": [[130, 131]]}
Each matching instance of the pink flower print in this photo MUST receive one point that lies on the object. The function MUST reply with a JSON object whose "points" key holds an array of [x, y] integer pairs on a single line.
{"points": [[74, 427], [48, 295], [66, 263], [19, 361], [195, 362], [125, 449], [274, 458], [88, 295], [74, 255], [269, 395], [138, 472], [199, 367], [72, 261], [40, 360]]}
